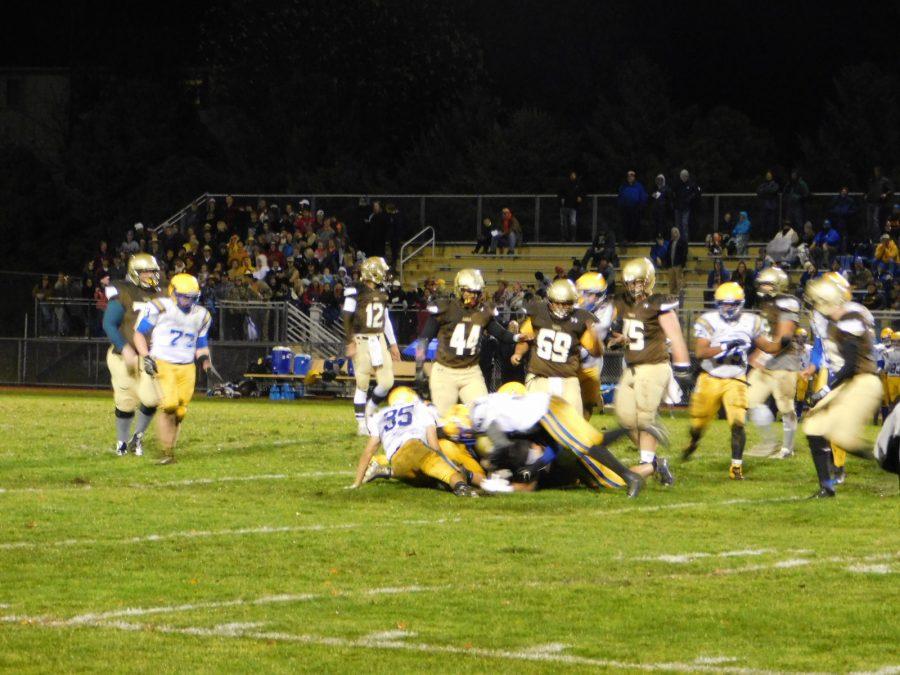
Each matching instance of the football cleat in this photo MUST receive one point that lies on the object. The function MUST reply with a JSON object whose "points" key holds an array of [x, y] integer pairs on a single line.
{"points": [[167, 459], [463, 490], [121, 448], [824, 493], [764, 449], [136, 445], [362, 428], [839, 475], [375, 470], [786, 453], [663, 472], [633, 484], [736, 472]]}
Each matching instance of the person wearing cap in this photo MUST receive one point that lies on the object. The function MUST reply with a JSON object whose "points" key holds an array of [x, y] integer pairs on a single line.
{"points": [[886, 254], [861, 276]]}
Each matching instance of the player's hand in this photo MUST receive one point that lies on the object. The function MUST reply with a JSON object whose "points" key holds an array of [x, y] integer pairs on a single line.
{"points": [[150, 366], [515, 359], [395, 352], [819, 395], [351, 350], [524, 337], [495, 485], [808, 372], [684, 376], [130, 356]]}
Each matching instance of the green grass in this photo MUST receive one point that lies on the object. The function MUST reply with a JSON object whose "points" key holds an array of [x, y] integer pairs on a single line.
{"points": [[766, 580]]}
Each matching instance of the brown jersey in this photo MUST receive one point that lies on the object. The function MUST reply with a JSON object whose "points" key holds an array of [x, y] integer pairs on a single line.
{"points": [[775, 309], [365, 310], [460, 330], [556, 350], [133, 299], [645, 341], [854, 326]]}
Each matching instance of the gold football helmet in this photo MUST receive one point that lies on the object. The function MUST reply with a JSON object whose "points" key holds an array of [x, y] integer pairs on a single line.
{"points": [[801, 334], [513, 388], [887, 334], [374, 270], [841, 282], [143, 262], [592, 287], [639, 277], [824, 295], [184, 289], [402, 396], [469, 286], [771, 281], [895, 338], [457, 424], [562, 296], [729, 300]]}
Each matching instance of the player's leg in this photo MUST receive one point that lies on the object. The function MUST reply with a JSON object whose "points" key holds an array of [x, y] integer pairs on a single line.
{"points": [[800, 398], [148, 394], [734, 399], [471, 385], [758, 410], [166, 420], [651, 384], [571, 394], [589, 383], [362, 371], [784, 391], [458, 455], [705, 401], [414, 460], [624, 403], [384, 379], [125, 398], [444, 386]]}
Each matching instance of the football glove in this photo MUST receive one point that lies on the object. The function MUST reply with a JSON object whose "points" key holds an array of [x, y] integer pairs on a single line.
{"points": [[150, 366], [819, 395], [495, 485], [684, 375]]}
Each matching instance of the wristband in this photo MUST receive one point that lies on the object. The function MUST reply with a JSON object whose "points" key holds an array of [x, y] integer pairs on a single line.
{"points": [[203, 358], [681, 367]]}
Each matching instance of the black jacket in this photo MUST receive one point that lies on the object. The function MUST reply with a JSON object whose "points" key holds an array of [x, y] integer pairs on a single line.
{"points": [[677, 255], [687, 195], [568, 194]]}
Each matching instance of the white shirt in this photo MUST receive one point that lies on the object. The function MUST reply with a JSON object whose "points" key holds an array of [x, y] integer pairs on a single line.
{"points": [[175, 335], [745, 329], [604, 315], [892, 361], [397, 424], [512, 413], [831, 355]]}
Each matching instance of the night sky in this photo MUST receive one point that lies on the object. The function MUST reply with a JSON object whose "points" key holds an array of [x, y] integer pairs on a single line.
{"points": [[773, 61]]}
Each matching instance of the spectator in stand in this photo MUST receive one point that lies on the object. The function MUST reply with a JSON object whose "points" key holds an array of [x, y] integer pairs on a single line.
{"points": [[501, 295], [768, 203], [842, 210], [483, 244], [810, 271], [571, 198], [687, 202], [576, 270], [809, 234], [100, 304], [744, 278], [826, 245], [878, 197], [718, 275], [795, 194], [129, 247], [42, 293], [715, 244], [274, 255], [872, 300], [508, 235], [542, 284], [661, 206], [783, 246], [559, 273], [632, 199], [397, 230], [604, 245], [892, 225], [740, 234], [677, 259], [887, 255], [658, 251], [605, 268], [861, 276], [211, 211]]}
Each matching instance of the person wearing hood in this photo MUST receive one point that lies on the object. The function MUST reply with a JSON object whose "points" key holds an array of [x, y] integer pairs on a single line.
{"points": [[783, 246], [740, 234], [661, 206], [768, 203], [632, 199]]}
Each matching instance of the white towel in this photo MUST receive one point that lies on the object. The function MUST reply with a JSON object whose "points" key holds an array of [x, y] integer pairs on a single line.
{"points": [[375, 354]]}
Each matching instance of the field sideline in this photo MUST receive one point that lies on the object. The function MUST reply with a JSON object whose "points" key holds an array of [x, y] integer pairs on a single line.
{"points": [[249, 555]]}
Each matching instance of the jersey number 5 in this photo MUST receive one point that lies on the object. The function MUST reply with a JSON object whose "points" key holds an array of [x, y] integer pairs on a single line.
{"points": [[634, 332], [553, 346], [374, 315], [460, 344]]}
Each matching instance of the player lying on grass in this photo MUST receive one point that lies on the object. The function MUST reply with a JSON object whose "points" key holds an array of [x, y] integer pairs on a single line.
{"points": [[407, 430]]}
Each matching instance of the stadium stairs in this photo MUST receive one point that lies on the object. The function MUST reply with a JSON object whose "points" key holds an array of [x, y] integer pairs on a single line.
{"points": [[449, 258]]}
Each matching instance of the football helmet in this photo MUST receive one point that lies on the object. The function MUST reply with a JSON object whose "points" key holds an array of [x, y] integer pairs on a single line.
{"points": [[592, 287], [143, 262], [457, 424], [887, 334], [374, 270], [895, 339], [562, 296], [513, 388], [184, 290], [729, 300], [639, 277], [801, 335], [469, 286], [771, 281], [402, 396], [841, 282], [824, 295]]}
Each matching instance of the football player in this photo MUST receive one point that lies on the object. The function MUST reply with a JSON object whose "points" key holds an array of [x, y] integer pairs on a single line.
{"points": [[171, 335], [843, 407], [407, 431], [559, 331], [132, 390], [514, 419], [647, 321], [592, 298], [370, 339], [776, 374], [801, 337], [892, 372], [459, 323], [724, 339]]}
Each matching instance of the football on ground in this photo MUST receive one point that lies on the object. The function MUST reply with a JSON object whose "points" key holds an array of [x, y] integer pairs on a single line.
{"points": [[249, 554]]}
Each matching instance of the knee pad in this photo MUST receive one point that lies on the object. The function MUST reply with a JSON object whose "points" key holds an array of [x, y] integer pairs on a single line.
{"points": [[817, 444], [125, 415], [149, 412], [360, 397], [380, 393], [761, 416]]}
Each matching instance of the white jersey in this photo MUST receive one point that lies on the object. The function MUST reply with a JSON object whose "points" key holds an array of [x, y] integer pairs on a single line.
{"points": [[805, 356], [742, 333], [892, 361], [831, 355], [880, 349], [176, 335], [397, 424], [511, 412], [604, 315]]}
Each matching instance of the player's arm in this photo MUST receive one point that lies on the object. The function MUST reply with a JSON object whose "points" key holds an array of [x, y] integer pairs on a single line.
{"points": [[390, 337], [202, 354], [432, 437], [522, 347], [681, 359], [495, 330], [590, 342], [145, 324], [703, 349], [429, 332], [112, 322], [364, 459], [347, 311]]}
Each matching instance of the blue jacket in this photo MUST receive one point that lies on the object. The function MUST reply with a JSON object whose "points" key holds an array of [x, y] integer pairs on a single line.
{"points": [[830, 236], [711, 281], [632, 196], [659, 251], [743, 225]]}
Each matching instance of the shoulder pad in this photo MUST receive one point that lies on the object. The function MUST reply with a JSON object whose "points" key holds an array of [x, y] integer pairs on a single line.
{"points": [[111, 292], [666, 303], [788, 303], [159, 304], [852, 324], [350, 291]]}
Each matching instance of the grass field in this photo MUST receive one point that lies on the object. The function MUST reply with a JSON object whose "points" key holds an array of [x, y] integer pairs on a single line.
{"points": [[249, 555]]}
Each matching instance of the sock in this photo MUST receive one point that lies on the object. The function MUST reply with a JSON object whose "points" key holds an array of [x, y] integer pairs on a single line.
{"points": [[818, 447], [789, 423], [647, 456], [695, 436], [359, 404], [123, 425], [737, 462], [144, 416], [738, 441], [609, 460]]}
